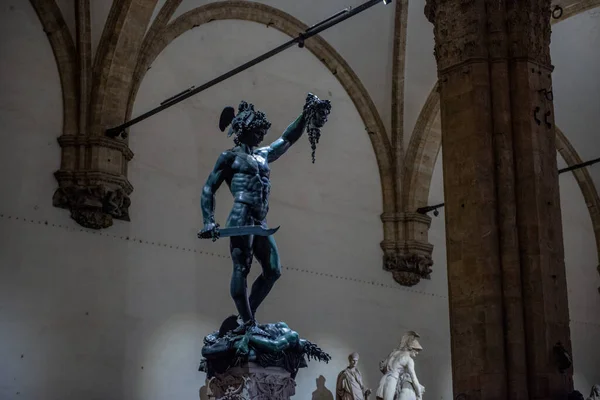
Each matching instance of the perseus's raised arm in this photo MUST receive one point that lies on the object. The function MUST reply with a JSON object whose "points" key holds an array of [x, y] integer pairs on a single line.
{"points": [[214, 181], [290, 136]]}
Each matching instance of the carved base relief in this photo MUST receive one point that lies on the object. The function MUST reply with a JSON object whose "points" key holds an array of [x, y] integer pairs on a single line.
{"points": [[251, 382]]}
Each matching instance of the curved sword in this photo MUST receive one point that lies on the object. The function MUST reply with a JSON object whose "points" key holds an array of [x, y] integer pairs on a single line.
{"points": [[256, 230]]}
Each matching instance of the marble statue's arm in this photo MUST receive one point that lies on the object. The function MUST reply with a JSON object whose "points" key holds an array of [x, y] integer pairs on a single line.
{"points": [[293, 132], [383, 366], [341, 386], [214, 181], [410, 365], [366, 391]]}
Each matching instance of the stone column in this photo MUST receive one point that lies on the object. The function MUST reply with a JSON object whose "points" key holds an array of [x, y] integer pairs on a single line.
{"points": [[507, 286], [507, 209], [537, 193], [472, 233]]}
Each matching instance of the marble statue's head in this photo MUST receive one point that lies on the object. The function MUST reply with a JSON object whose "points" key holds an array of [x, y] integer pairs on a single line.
{"points": [[353, 359], [249, 126], [410, 343], [595, 392]]}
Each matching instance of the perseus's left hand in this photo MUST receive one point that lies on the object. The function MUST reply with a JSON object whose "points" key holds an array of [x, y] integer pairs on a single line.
{"points": [[316, 110]]}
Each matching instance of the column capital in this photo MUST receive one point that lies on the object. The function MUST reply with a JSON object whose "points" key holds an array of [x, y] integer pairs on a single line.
{"points": [[92, 182], [408, 268], [528, 26], [458, 27]]}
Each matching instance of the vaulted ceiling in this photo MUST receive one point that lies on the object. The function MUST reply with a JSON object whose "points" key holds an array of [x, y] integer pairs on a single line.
{"points": [[387, 58]]}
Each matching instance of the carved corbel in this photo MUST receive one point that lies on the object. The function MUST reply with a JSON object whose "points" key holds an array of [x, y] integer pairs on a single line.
{"points": [[408, 269], [91, 180], [408, 259]]}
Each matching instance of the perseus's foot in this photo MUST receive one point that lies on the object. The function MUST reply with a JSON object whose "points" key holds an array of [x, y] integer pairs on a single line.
{"points": [[249, 327]]}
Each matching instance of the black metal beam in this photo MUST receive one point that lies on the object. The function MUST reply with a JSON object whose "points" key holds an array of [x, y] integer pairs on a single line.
{"points": [[578, 166], [426, 209], [299, 40]]}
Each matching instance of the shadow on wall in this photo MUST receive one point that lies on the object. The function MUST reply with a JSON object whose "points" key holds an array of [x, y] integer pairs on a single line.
{"points": [[322, 393]]}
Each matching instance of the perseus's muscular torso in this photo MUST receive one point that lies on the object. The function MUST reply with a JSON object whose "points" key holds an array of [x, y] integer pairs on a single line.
{"points": [[250, 186]]}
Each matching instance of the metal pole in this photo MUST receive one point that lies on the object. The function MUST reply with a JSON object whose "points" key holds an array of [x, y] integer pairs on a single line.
{"points": [[426, 209], [577, 166], [310, 32]]}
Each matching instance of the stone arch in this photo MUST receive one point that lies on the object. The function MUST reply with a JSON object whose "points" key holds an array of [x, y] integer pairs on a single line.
{"points": [[584, 180], [113, 68], [285, 23], [422, 153], [63, 48], [572, 8]]}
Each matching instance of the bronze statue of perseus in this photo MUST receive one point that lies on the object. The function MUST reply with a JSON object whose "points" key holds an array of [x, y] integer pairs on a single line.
{"points": [[246, 170]]}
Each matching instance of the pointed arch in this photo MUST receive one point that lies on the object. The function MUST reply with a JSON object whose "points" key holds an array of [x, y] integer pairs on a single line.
{"points": [[275, 18], [65, 54], [422, 153], [584, 180]]}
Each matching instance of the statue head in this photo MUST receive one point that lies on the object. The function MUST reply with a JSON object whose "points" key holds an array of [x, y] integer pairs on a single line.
{"points": [[595, 393], [410, 343], [353, 360], [249, 126], [317, 110]]}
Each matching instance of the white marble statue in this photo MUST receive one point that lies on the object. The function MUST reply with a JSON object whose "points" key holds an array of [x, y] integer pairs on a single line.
{"points": [[399, 379], [349, 384], [595, 393]]}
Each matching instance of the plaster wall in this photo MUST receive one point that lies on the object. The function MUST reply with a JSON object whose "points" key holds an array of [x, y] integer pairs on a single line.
{"points": [[121, 313]]}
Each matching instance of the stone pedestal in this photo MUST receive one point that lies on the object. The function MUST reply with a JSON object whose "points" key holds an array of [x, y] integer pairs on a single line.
{"points": [[251, 382]]}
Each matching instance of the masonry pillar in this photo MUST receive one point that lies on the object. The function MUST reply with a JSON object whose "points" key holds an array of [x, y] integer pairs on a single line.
{"points": [[538, 202], [506, 277], [474, 272]]}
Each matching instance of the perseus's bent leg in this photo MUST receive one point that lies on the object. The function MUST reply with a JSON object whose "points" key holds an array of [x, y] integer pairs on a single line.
{"points": [[265, 251], [241, 255]]}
